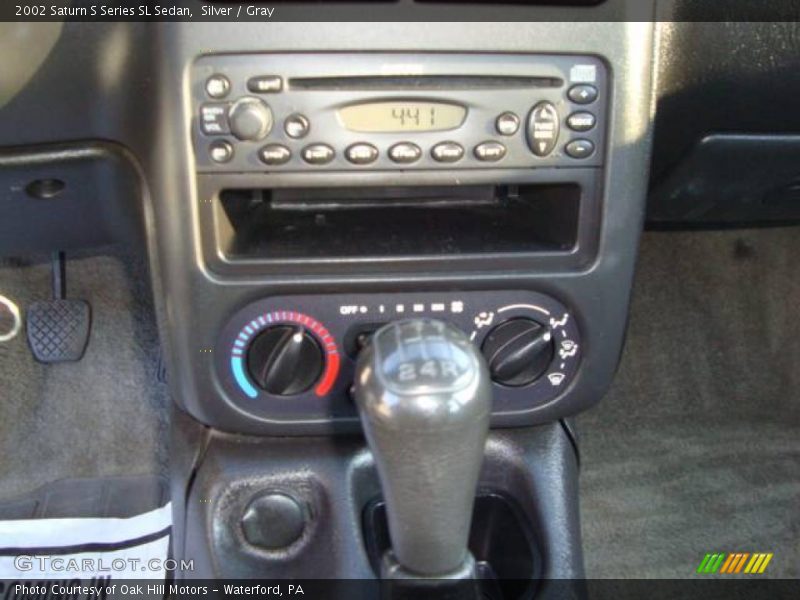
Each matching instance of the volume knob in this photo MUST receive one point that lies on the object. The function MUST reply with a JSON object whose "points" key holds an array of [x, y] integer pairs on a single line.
{"points": [[285, 360], [250, 119]]}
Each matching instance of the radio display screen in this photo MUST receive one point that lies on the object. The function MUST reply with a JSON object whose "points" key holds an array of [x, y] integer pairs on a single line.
{"points": [[396, 117]]}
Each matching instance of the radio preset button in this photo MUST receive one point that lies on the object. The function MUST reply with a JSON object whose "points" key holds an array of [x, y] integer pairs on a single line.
{"points": [[318, 154], [405, 153], [507, 124], [490, 151], [214, 119], [361, 154], [447, 152], [274, 155], [265, 84], [218, 86], [581, 121], [250, 119], [543, 129], [582, 94], [220, 151], [296, 126], [580, 149]]}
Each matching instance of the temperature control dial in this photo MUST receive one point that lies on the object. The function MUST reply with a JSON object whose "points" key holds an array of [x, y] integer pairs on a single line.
{"points": [[518, 352], [285, 360]]}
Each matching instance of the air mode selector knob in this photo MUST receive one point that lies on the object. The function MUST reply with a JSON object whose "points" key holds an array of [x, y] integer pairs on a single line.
{"points": [[285, 360], [518, 352], [250, 119]]}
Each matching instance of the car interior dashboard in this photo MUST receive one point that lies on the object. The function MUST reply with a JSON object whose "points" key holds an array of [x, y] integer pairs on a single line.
{"points": [[305, 192]]}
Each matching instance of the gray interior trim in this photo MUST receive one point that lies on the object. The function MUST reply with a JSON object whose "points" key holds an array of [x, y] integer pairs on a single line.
{"points": [[23, 49]]}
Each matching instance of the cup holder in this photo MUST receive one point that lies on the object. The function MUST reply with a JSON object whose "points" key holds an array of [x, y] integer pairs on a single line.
{"points": [[501, 539]]}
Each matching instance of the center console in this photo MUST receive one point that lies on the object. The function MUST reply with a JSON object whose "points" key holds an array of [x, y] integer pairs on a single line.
{"points": [[396, 163], [316, 185]]}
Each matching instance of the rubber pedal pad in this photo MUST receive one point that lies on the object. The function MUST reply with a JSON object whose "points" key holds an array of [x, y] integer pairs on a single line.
{"points": [[58, 330]]}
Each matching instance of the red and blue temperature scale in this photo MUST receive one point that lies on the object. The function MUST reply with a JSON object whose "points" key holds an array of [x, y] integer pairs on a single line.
{"points": [[252, 329]]}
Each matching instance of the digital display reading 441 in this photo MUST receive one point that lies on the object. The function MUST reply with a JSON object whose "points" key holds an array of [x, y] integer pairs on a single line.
{"points": [[396, 117]]}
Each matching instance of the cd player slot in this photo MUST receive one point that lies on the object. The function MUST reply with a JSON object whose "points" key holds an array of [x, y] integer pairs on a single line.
{"points": [[382, 222], [421, 82]]}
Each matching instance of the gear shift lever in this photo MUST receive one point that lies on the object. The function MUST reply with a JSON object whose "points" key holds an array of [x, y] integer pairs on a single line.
{"points": [[423, 393]]}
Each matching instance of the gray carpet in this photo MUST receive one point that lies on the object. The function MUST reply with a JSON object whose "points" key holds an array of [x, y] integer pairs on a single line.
{"points": [[102, 416], [696, 448]]}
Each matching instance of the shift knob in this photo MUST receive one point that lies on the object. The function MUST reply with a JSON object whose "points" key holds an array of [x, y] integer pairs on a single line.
{"points": [[423, 393]]}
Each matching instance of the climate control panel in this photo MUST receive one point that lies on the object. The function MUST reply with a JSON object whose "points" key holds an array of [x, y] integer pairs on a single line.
{"points": [[324, 112], [291, 359]]}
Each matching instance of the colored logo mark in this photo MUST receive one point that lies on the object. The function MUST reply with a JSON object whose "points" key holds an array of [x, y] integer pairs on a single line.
{"points": [[736, 562]]}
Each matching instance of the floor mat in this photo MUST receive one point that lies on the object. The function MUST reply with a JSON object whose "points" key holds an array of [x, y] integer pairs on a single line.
{"points": [[87, 532], [696, 447], [105, 415]]}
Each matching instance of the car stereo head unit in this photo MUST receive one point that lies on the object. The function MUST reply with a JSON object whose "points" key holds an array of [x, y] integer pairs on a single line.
{"points": [[349, 112]]}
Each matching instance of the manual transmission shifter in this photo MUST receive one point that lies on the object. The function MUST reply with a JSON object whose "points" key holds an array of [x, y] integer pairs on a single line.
{"points": [[423, 393]]}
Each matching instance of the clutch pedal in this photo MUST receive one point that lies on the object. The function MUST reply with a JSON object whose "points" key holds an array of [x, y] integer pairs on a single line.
{"points": [[58, 329]]}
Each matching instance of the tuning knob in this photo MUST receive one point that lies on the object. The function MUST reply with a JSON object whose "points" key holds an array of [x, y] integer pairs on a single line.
{"points": [[518, 352], [285, 360], [250, 119]]}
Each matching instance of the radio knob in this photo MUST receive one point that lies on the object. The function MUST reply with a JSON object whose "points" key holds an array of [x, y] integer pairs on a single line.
{"points": [[250, 119]]}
